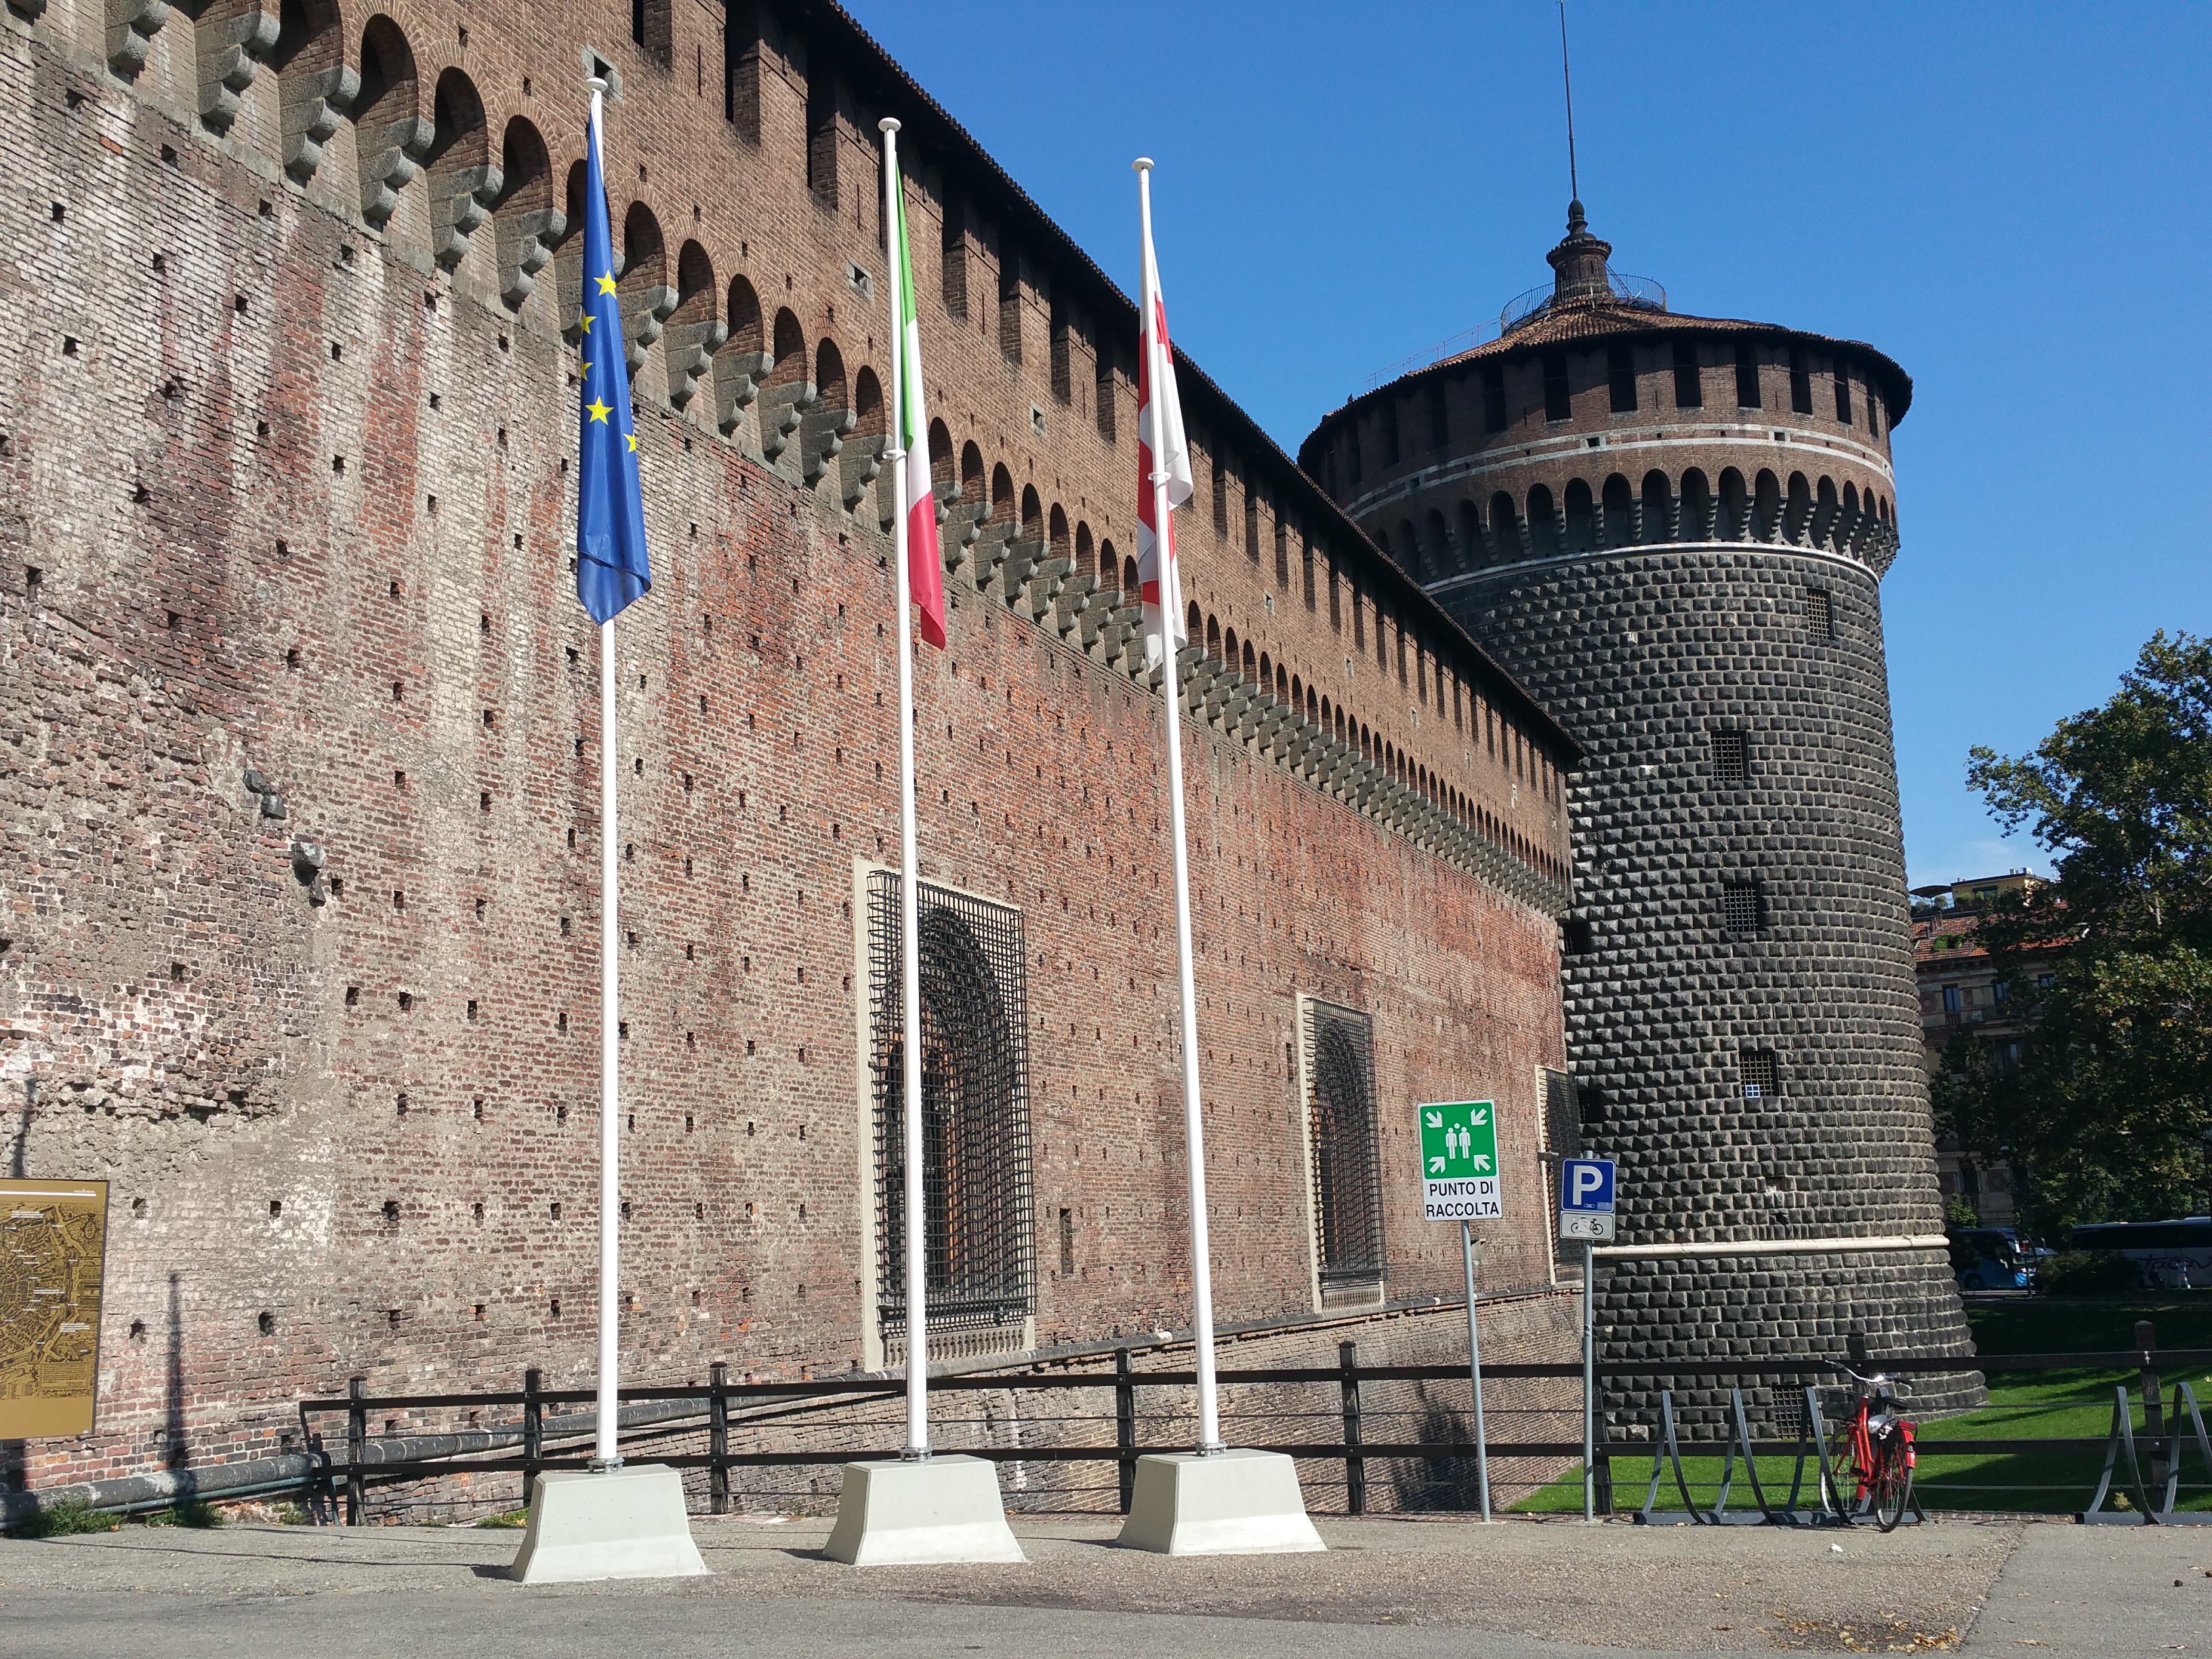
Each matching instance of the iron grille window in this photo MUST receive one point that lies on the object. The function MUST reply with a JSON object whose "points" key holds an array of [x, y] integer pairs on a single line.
{"points": [[1563, 1123], [1621, 377], [1762, 1078], [1730, 762], [1576, 937], [979, 1252], [1689, 384], [1743, 907], [1819, 614], [1347, 1172]]}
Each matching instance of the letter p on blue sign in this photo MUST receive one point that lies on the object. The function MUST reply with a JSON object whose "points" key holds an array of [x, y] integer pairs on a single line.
{"points": [[1586, 1198]]}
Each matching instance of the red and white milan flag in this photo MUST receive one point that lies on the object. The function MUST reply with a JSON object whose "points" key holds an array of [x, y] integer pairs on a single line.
{"points": [[924, 566], [1161, 447]]}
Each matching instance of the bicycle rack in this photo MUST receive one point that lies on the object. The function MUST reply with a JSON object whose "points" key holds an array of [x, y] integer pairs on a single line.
{"points": [[2177, 1442], [2121, 1442], [1830, 1508]]}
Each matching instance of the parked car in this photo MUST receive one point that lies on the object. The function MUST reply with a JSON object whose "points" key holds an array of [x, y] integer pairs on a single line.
{"points": [[1989, 1259]]}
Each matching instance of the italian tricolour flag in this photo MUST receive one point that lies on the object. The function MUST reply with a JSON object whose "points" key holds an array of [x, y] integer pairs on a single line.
{"points": [[925, 567], [1161, 448]]}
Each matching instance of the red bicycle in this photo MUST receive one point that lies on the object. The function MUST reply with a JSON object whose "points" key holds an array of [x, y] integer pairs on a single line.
{"points": [[1873, 1450]]}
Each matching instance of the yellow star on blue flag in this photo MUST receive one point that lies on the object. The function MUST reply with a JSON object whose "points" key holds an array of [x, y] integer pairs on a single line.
{"points": [[611, 568]]}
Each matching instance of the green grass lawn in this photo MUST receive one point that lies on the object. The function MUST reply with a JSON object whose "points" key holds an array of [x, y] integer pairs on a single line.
{"points": [[2022, 1405]]}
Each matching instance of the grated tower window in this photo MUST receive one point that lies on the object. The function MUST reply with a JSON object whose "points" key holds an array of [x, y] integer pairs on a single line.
{"points": [[1761, 1075], [1731, 764], [1743, 907]]}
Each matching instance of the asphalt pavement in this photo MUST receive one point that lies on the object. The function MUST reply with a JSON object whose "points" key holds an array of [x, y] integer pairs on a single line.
{"points": [[1391, 1589]]}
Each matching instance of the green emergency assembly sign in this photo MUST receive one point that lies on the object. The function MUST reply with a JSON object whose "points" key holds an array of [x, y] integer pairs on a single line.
{"points": [[1459, 1161]]}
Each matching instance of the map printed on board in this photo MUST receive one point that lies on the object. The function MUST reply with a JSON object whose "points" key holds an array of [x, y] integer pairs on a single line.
{"points": [[53, 1239]]}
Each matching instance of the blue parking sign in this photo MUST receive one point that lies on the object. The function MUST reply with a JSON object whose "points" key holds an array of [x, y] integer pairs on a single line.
{"points": [[1586, 1184], [1586, 1199]]}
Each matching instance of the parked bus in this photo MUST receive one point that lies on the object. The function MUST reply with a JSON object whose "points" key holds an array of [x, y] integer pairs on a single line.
{"points": [[2171, 1255]]}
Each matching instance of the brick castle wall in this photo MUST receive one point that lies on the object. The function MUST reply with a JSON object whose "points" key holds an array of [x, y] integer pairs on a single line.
{"points": [[279, 494]]}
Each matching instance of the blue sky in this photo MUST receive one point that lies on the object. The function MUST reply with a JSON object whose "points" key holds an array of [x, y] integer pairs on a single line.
{"points": [[2012, 201]]}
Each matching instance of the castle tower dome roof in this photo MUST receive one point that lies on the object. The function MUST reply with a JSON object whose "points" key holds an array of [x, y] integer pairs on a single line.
{"points": [[1578, 262]]}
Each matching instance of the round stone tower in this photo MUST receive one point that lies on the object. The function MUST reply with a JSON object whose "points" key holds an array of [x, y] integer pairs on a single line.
{"points": [[1673, 529]]}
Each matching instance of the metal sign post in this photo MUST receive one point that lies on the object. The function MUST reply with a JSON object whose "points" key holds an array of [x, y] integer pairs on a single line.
{"points": [[1459, 1182], [1474, 1369], [1586, 1212]]}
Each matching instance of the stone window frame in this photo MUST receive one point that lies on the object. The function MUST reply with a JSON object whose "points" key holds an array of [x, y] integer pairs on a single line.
{"points": [[1357, 1284], [870, 880]]}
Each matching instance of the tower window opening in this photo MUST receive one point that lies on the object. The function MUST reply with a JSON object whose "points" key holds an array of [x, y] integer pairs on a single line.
{"points": [[1493, 399], [1844, 394], [1439, 416], [1621, 377], [1747, 375], [1558, 406], [822, 134], [1819, 614], [1576, 937], [1010, 304], [1389, 432], [1800, 385], [1761, 1077], [1743, 909], [1062, 375], [1562, 1119], [1105, 409], [1730, 762], [1689, 384]]}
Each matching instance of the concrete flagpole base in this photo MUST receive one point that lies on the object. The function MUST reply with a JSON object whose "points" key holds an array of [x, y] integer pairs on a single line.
{"points": [[628, 1522], [1227, 1503], [921, 1512]]}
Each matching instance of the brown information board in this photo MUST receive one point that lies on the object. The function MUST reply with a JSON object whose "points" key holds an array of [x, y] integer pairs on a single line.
{"points": [[54, 1243]]}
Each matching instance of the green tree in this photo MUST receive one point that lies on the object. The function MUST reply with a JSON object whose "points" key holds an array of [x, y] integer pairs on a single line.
{"points": [[2110, 1102]]}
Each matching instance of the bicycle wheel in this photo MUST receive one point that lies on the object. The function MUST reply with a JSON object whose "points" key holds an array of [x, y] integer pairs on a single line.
{"points": [[1840, 1486], [1893, 1483]]}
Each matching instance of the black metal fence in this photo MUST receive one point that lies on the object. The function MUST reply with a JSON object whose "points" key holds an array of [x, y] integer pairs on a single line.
{"points": [[1351, 1425]]}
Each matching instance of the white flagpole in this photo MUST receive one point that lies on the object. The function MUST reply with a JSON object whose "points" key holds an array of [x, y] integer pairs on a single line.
{"points": [[917, 1220], [606, 1453], [1201, 1266]]}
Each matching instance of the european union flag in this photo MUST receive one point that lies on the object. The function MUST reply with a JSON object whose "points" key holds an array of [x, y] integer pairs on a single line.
{"points": [[610, 563]]}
